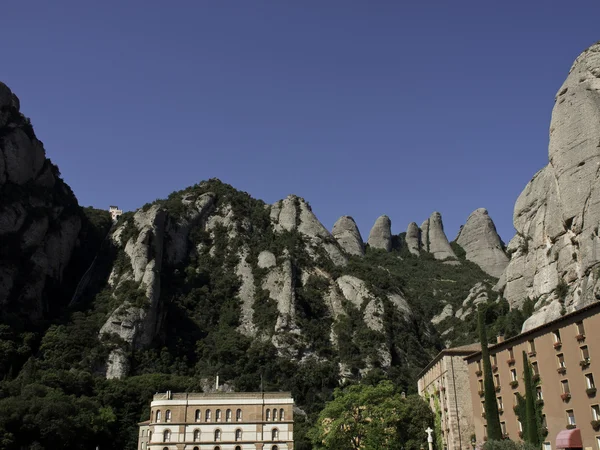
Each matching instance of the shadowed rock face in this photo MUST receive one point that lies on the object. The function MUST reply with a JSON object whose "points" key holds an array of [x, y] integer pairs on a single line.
{"points": [[40, 219], [381, 234], [348, 236], [482, 244], [413, 239], [557, 214], [434, 239]]}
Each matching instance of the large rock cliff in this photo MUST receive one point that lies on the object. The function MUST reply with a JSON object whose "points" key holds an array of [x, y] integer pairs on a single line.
{"points": [[556, 251], [40, 219]]}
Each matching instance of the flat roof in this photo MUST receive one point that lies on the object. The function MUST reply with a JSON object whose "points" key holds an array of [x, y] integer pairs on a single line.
{"points": [[590, 309], [219, 395]]}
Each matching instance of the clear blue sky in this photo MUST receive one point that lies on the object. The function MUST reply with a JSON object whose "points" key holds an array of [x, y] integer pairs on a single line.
{"points": [[362, 107]]}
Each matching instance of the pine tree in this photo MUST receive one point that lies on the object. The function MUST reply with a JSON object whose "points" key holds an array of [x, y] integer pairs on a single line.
{"points": [[494, 431], [531, 433]]}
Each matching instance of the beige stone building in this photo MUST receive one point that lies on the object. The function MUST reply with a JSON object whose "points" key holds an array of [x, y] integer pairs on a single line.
{"points": [[565, 355], [445, 384], [219, 421]]}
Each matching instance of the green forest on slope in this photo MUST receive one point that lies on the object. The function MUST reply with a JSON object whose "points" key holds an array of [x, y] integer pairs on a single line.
{"points": [[53, 388]]}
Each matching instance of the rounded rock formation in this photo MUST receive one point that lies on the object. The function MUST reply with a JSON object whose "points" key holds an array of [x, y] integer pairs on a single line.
{"points": [[413, 238], [482, 245], [346, 233], [381, 234], [434, 239]]}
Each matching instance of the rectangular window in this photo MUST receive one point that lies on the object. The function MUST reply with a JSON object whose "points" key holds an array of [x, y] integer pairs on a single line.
{"points": [[535, 368], [485, 431], [511, 353], [532, 346], [497, 380], [500, 404], [481, 385], [519, 425], [570, 417], [580, 329], [503, 427], [556, 335], [589, 381], [538, 393], [479, 365], [544, 422], [565, 387], [482, 406], [595, 412], [598, 442], [585, 353], [547, 446], [513, 374], [561, 360], [494, 360], [516, 398]]}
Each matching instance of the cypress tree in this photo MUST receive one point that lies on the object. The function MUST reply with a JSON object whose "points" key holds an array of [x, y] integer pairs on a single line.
{"points": [[494, 431], [531, 433]]}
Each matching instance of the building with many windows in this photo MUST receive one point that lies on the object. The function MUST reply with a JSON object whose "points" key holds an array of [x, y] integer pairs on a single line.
{"points": [[219, 421], [565, 357], [444, 383]]}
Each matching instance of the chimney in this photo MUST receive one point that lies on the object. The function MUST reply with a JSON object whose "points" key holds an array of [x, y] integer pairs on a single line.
{"points": [[500, 338]]}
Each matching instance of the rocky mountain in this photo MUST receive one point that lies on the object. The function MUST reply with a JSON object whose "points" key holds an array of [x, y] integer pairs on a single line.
{"points": [[211, 280], [555, 254], [42, 227], [482, 245]]}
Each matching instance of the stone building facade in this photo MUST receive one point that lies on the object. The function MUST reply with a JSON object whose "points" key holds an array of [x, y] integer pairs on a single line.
{"points": [[219, 421], [565, 357], [444, 383]]}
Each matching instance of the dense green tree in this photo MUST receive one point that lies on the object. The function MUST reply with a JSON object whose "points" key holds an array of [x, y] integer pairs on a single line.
{"points": [[369, 417], [494, 431], [531, 433]]}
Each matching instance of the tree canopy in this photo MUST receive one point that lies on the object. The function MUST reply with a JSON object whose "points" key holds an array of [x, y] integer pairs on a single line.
{"points": [[372, 418]]}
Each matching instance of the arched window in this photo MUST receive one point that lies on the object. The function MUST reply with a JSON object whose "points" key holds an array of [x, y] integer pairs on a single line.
{"points": [[268, 414], [196, 448], [218, 415], [198, 416], [274, 434], [168, 415], [238, 435], [228, 415], [217, 435], [152, 416], [275, 414], [274, 447], [196, 435], [238, 415], [158, 416], [217, 448], [149, 436], [207, 416], [165, 448], [237, 447], [167, 436], [281, 414]]}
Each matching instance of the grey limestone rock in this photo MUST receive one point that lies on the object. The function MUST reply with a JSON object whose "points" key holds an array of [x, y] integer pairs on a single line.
{"points": [[293, 213], [134, 324], [482, 245], [413, 239], [558, 213], [434, 239], [380, 236], [346, 233]]}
